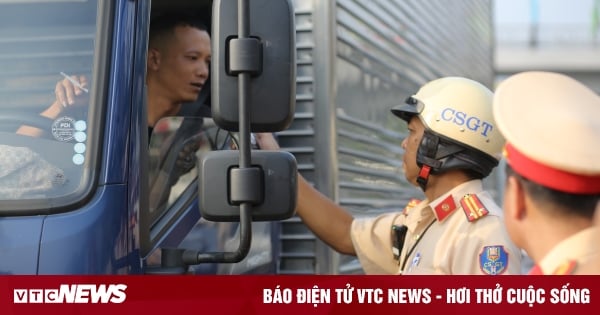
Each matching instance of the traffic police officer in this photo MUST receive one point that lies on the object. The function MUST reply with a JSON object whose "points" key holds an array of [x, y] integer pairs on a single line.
{"points": [[453, 143], [552, 126]]}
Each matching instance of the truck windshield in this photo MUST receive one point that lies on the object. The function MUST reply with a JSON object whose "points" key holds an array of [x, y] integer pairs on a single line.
{"points": [[47, 49]]}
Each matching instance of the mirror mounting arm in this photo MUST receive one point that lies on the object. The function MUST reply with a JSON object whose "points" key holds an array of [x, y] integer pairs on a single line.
{"points": [[245, 178], [259, 185], [191, 257]]}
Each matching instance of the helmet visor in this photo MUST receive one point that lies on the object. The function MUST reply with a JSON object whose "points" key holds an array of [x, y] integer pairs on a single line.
{"points": [[410, 108]]}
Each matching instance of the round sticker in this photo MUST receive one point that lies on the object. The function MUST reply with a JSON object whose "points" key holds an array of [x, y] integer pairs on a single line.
{"points": [[80, 136], [80, 125], [63, 128], [78, 159], [79, 147]]}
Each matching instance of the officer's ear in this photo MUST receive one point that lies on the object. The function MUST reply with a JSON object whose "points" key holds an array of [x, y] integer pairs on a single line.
{"points": [[515, 205]]}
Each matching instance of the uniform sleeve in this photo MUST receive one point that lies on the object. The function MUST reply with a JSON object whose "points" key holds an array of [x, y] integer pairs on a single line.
{"points": [[486, 249], [372, 242]]}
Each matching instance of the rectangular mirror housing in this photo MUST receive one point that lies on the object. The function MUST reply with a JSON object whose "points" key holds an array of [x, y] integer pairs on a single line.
{"points": [[219, 172], [268, 55]]}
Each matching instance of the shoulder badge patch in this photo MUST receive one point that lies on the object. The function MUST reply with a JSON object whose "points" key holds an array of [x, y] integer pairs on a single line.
{"points": [[493, 260], [445, 208], [473, 207], [411, 204]]}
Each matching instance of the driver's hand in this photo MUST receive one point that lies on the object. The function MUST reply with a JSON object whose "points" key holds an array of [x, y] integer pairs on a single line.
{"points": [[69, 94]]}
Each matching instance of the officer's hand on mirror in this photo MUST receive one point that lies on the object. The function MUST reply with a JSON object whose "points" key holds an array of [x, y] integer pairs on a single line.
{"points": [[266, 141]]}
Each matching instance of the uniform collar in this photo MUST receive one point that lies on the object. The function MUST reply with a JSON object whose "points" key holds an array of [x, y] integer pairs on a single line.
{"points": [[446, 204], [571, 248]]}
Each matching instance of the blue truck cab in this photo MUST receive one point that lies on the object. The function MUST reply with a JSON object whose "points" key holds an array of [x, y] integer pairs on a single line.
{"points": [[94, 193]]}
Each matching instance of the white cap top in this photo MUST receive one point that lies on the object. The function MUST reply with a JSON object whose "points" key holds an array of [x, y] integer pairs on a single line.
{"points": [[552, 126]]}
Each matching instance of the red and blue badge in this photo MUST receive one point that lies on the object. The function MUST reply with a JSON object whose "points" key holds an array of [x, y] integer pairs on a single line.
{"points": [[493, 260]]}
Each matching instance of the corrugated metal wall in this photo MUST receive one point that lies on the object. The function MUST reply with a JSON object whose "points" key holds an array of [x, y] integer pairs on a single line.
{"points": [[356, 59]]}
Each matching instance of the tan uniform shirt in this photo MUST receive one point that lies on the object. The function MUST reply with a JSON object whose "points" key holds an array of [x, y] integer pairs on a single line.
{"points": [[451, 245], [575, 255]]}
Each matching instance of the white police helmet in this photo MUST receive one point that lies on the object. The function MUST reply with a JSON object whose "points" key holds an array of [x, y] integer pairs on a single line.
{"points": [[460, 131]]}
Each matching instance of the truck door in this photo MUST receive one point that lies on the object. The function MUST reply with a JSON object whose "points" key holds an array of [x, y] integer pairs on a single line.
{"points": [[64, 205]]}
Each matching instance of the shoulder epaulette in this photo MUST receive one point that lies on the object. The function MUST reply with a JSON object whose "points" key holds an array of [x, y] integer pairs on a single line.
{"points": [[473, 207], [566, 268], [411, 204]]}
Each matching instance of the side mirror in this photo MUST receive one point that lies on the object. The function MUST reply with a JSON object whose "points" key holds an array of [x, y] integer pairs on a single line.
{"points": [[253, 85], [253, 78], [219, 172], [253, 81], [268, 55]]}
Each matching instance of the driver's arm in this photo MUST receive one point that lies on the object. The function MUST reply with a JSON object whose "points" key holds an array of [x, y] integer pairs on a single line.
{"points": [[66, 94]]}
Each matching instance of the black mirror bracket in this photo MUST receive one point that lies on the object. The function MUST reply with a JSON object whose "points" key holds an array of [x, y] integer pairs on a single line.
{"points": [[245, 180], [248, 186]]}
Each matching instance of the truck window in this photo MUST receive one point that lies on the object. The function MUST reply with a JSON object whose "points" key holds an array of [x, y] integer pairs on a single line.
{"points": [[176, 148], [42, 43]]}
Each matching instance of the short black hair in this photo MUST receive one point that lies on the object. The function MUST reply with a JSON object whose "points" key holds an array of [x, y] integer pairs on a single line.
{"points": [[582, 205], [167, 22]]}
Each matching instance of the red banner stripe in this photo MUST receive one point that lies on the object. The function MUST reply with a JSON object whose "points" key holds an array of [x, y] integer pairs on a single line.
{"points": [[305, 294]]}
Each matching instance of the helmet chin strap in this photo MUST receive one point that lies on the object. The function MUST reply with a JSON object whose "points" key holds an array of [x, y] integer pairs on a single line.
{"points": [[423, 176], [426, 158], [432, 155]]}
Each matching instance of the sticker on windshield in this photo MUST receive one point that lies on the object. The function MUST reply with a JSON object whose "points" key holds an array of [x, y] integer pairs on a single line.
{"points": [[63, 129]]}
